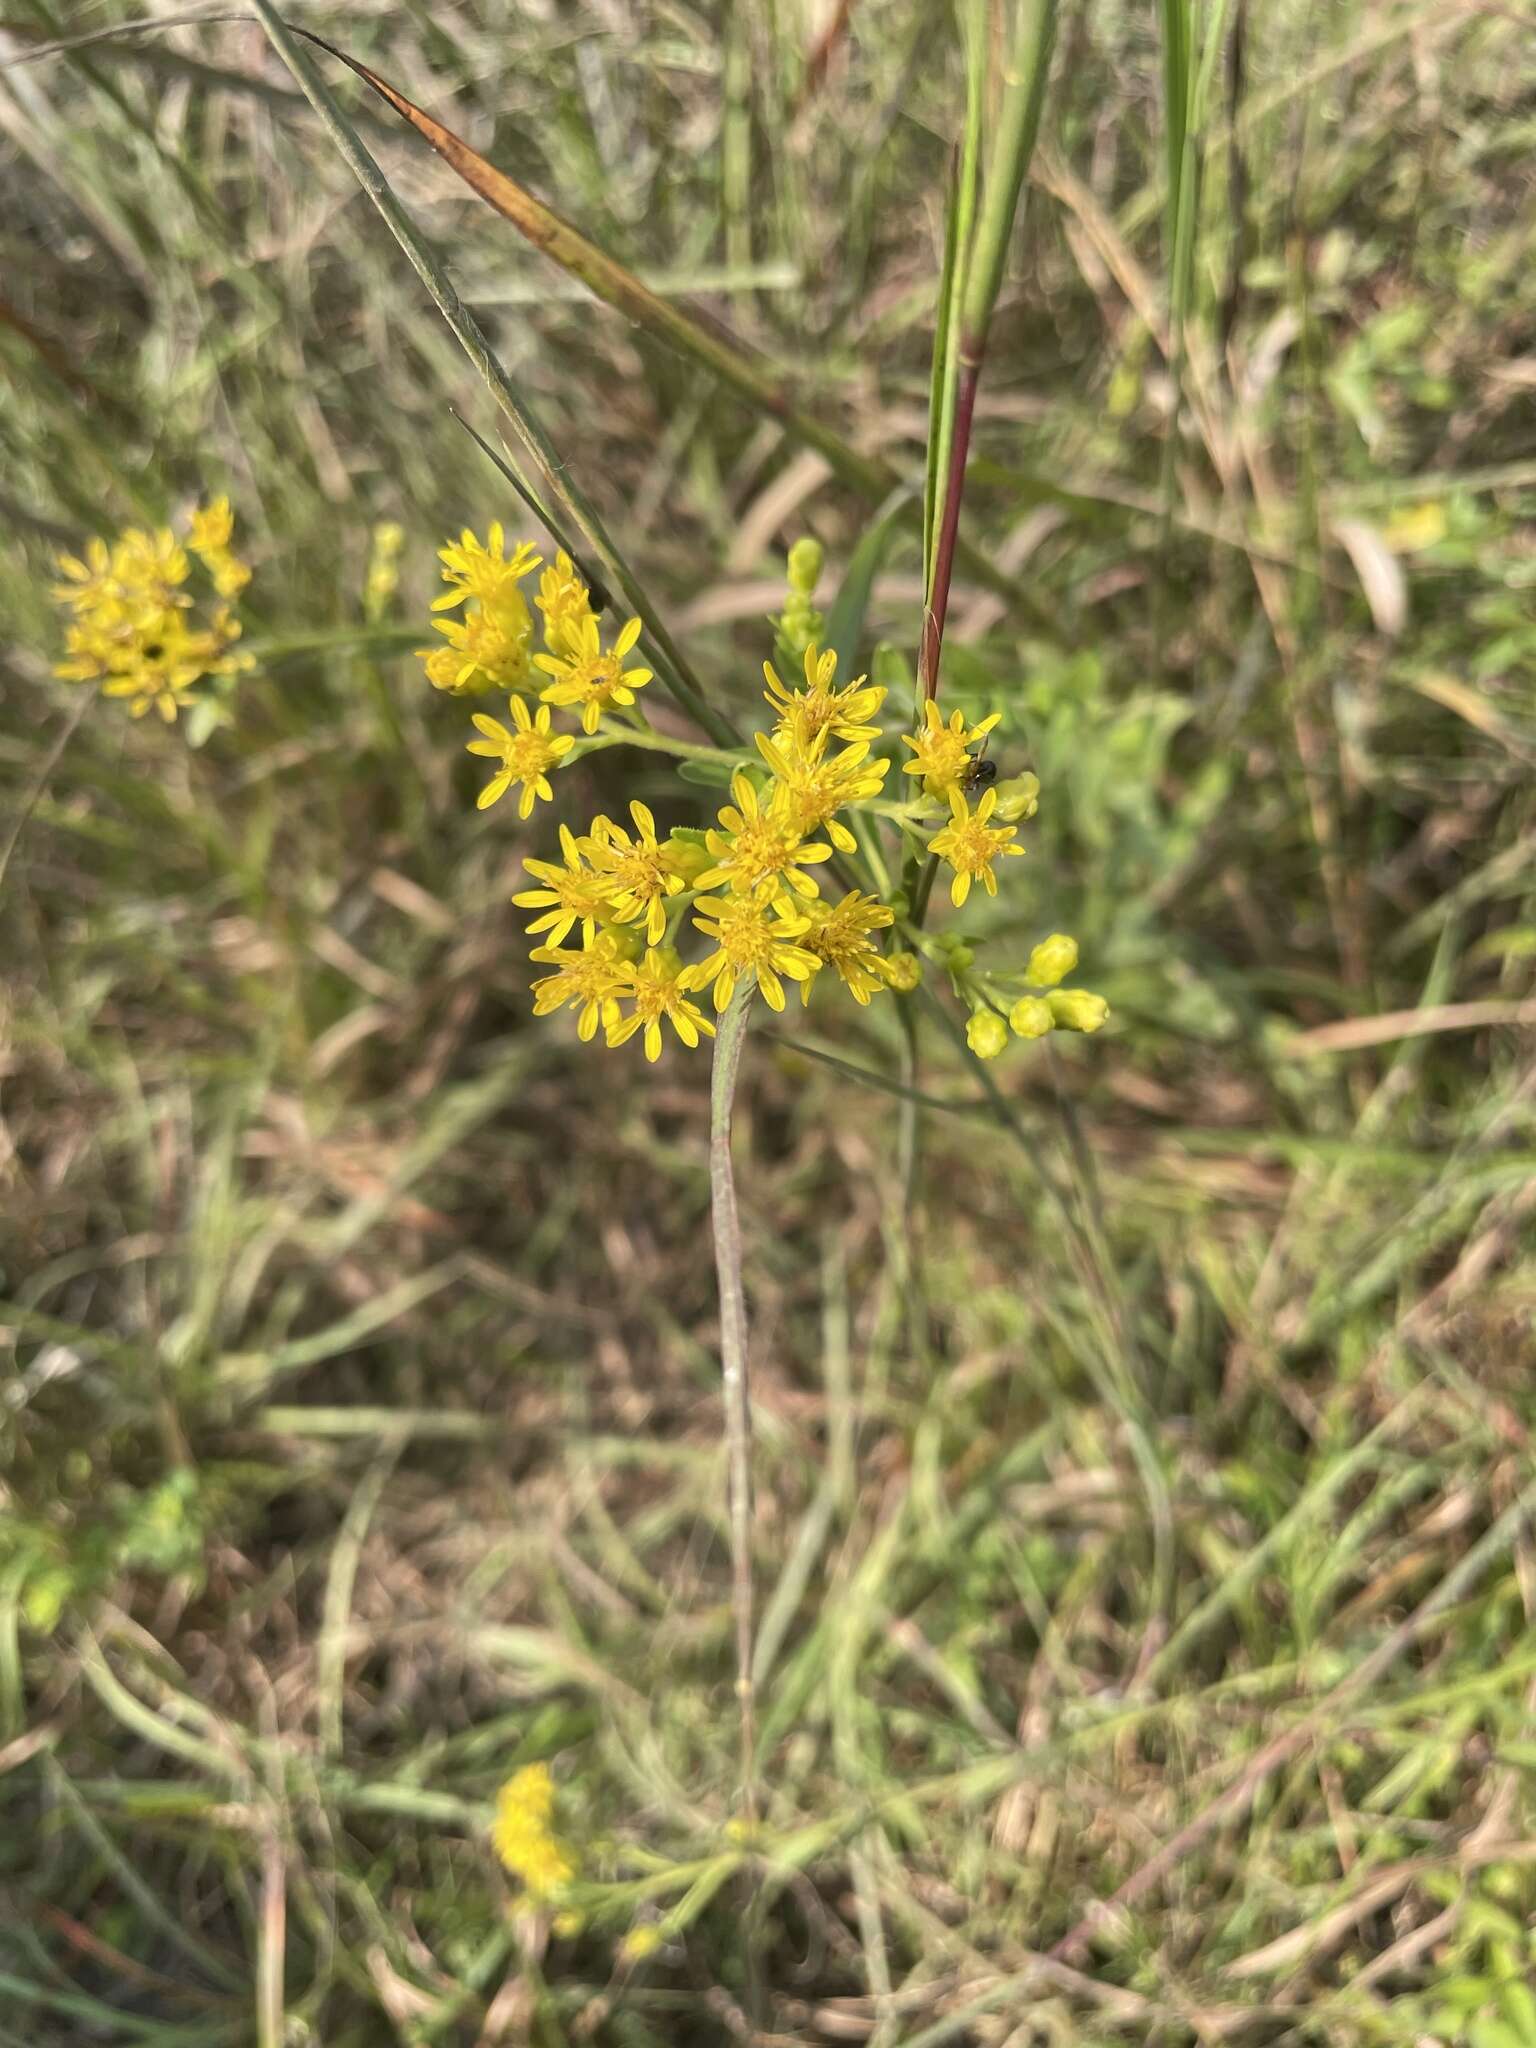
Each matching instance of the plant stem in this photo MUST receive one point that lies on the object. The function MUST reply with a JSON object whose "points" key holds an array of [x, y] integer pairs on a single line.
{"points": [[1029, 63], [726, 1226]]}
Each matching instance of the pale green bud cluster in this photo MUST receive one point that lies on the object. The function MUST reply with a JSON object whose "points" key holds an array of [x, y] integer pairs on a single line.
{"points": [[1031, 1016], [799, 624]]}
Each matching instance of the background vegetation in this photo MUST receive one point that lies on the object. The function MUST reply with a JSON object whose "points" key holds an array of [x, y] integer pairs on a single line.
{"points": [[362, 1426]]}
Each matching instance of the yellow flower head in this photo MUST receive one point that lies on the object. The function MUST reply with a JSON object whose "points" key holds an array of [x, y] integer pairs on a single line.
{"points": [[570, 892], [526, 755], [839, 935], [487, 650], [657, 990], [810, 785], [593, 979], [589, 678], [488, 647], [755, 941], [638, 873], [1031, 1017], [942, 752], [484, 574], [132, 626], [821, 707], [565, 602], [523, 1836], [761, 851], [970, 844], [211, 530]]}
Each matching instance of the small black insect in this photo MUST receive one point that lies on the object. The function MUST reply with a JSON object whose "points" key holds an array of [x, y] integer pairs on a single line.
{"points": [[980, 774]]}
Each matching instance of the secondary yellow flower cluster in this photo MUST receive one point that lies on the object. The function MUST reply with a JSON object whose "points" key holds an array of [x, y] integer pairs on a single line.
{"points": [[490, 647], [134, 626], [524, 1837]]}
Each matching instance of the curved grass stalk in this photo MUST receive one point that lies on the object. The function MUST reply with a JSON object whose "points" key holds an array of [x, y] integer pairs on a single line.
{"points": [[726, 1227], [556, 482]]}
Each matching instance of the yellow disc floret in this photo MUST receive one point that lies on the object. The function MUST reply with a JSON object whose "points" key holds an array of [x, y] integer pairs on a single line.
{"points": [[592, 980], [811, 785], [637, 871], [523, 1835], [839, 936]]}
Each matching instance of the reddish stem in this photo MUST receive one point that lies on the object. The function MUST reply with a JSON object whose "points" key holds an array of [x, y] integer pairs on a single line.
{"points": [[954, 488]]}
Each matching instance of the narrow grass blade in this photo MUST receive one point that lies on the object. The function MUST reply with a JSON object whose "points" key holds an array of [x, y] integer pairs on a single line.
{"points": [[557, 483]]}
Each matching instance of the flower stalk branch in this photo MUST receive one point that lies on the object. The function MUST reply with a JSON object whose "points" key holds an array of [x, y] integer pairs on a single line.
{"points": [[726, 1226]]}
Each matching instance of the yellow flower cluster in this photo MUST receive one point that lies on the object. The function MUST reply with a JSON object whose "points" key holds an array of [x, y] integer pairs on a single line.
{"points": [[490, 647], [523, 1835], [609, 913], [747, 881], [136, 629]]}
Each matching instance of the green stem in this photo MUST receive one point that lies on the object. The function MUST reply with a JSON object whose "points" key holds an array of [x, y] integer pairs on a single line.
{"points": [[1029, 63], [651, 742], [726, 1226]]}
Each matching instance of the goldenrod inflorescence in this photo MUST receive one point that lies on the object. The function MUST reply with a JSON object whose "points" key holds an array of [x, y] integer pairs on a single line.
{"points": [[767, 885], [137, 629], [523, 1835]]}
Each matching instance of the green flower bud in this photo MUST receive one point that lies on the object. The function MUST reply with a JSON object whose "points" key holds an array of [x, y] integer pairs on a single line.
{"points": [[1052, 960], [959, 957], [685, 855], [1074, 1009], [986, 1034], [1031, 1017], [903, 971], [805, 560], [1017, 799]]}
